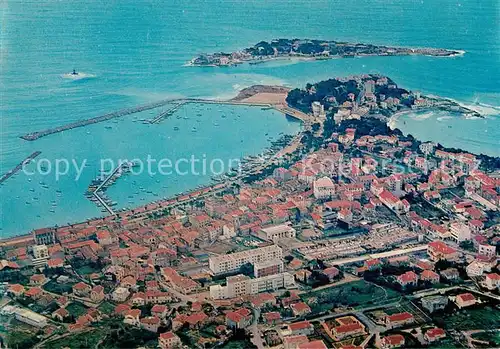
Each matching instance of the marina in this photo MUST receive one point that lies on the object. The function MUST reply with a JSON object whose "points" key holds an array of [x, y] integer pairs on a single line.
{"points": [[178, 104], [167, 113], [96, 190], [128, 111]]}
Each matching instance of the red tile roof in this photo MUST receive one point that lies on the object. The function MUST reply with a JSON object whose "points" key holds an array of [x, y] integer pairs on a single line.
{"points": [[466, 297], [297, 326], [400, 317]]}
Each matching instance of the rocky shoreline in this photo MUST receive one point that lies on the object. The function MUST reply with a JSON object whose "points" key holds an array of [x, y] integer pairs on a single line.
{"points": [[310, 50]]}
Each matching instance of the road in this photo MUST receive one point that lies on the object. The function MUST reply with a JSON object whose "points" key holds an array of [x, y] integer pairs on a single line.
{"points": [[254, 329]]}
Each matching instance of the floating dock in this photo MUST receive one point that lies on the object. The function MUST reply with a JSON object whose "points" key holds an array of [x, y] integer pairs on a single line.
{"points": [[19, 166]]}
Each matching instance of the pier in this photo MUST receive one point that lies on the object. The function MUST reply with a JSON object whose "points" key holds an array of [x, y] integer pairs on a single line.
{"points": [[123, 112], [16, 169], [178, 102], [95, 193], [167, 112]]}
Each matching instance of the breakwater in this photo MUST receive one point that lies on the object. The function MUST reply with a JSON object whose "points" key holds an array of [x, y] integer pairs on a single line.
{"points": [[81, 123], [16, 169], [179, 102]]}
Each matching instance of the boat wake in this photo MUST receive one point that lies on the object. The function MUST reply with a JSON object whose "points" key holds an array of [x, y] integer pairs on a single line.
{"points": [[77, 76]]}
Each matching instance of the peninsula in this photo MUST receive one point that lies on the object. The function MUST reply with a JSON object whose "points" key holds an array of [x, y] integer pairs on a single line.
{"points": [[310, 49]]}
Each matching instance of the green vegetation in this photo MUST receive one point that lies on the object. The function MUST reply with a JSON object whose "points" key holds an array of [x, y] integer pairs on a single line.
{"points": [[106, 308], [82, 340], [492, 337], [55, 287], [87, 269], [109, 334], [20, 339], [353, 294], [76, 309], [469, 319], [239, 344]]}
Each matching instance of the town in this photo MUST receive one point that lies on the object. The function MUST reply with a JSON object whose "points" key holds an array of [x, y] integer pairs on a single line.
{"points": [[359, 237]]}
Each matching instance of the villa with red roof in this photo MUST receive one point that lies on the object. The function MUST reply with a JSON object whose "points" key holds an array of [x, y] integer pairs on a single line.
{"points": [[341, 328], [301, 328], [465, 300], [169, 340], [408, 279], [393, 341], [429, 276], [438, 250], [81, 289], [434, 334], [272, 318], [97, 293], [492, 281], [300, 309], [240, 318], [398, 320], [150, 323], [317, 344]]}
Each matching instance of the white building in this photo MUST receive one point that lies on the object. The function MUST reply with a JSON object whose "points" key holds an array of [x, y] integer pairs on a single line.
{"points": [[40, 255], [30, 317], [120, 294], [318, 109], [233, 262], [460, 232], [241, 285], [228, 231], [40, 251], [277, 232], [479, 267], [323, 188], [487, 250], [427, 148]]}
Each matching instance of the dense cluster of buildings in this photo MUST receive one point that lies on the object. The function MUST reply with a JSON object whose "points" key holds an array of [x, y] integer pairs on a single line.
{"points": [[213, 256]]}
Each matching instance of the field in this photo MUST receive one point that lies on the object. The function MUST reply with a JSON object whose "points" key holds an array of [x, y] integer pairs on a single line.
{"points": [[404, 306], [469, 319], [54, 287], [106, 308], [356, 294], [77, 341], [492, 337], [76, 309]]}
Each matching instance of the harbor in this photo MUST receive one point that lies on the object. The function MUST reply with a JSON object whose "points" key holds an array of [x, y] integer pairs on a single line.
{"points": [[81, 123], [16, 169], [178, 103]]}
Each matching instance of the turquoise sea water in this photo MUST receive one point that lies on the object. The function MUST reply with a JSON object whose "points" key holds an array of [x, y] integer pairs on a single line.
{"points": [[134, 52]]}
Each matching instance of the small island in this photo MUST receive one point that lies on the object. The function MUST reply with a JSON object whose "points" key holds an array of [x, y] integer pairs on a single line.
{"points": [[310, 49]]}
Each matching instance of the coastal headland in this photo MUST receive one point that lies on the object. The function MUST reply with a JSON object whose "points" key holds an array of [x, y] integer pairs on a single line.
{"points": [[308, 49]]}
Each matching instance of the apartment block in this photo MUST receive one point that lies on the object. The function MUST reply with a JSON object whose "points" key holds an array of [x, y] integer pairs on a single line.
{"points": [[271, 267], [233, 262], [241, 285]]}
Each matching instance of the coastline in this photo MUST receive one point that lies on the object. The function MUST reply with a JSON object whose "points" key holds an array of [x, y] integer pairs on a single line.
{"points": [[258, 95], [300, 58], [307, 49]]}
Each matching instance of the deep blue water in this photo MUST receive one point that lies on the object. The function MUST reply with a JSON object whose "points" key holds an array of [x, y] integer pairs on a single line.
{"points": [[135, 52]]}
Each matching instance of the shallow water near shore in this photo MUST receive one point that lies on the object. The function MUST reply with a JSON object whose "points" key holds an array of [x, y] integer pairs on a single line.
{"points": [[135, 54]]}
